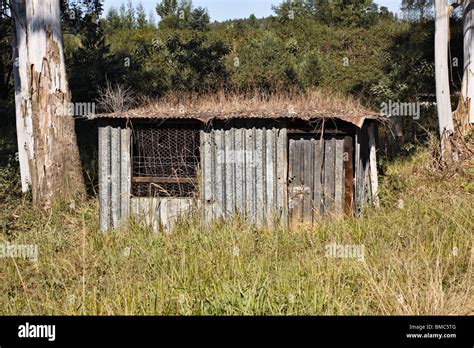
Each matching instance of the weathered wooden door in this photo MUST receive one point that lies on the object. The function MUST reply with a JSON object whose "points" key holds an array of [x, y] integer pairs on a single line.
{"points": [[320, 177]]}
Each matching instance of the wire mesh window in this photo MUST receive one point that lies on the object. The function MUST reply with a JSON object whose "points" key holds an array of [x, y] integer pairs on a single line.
{"points": [[165, 161]]}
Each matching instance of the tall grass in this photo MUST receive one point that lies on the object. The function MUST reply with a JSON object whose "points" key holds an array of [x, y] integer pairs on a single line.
{"points": [[418, 260]]}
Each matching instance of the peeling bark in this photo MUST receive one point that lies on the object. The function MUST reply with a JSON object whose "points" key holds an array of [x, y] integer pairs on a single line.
{"points": [[48, 153]]}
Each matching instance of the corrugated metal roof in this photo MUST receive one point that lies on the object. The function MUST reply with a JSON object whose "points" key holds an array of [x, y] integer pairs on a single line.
{"points": [[207, 117]]}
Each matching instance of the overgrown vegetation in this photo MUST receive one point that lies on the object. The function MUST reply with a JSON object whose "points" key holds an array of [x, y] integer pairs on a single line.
{"points": [[418, 259]]}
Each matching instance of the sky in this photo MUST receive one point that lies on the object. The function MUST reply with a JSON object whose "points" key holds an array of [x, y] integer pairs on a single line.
{"points": [[221, 10]]}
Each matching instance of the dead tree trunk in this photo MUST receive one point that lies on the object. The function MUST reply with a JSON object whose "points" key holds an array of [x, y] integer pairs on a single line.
{"points": [[48, 152], [443, 99], [467, 90]]}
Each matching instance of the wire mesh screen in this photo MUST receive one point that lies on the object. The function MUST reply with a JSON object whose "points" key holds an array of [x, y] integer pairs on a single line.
{"points": [[165, 161]]}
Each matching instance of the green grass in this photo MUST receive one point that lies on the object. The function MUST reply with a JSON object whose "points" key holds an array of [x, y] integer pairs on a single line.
{"points": [[411, 265]]}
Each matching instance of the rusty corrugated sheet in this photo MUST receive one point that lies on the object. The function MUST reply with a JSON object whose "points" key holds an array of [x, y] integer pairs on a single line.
{"points": [[244, 172]]}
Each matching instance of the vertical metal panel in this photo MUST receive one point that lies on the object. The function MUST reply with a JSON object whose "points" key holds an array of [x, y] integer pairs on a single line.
{"points": [[229, 165], [270, 175], [259, 175], [104, 178], [214, 171], [250, 172], [115, 177], [219, 172], [239, 175], [126, 175]]}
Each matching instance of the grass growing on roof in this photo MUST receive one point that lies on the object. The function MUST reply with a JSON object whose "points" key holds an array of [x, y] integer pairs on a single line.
{"points": [[314, 103]]}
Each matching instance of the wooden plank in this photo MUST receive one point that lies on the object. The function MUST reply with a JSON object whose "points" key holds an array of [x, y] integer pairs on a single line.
{"points": [[282, 174], [328, 176], [318, 194], [307, 179], [291, 179], [348, 176], [296, 199], [104, 178], [126, 174], [165, 180], [374, 184], [359, 173], [115, 177], [339, 176]]}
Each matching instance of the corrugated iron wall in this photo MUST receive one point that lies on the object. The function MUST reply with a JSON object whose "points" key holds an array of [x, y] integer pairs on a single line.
{"points": [[114, 176], [244, 171]]}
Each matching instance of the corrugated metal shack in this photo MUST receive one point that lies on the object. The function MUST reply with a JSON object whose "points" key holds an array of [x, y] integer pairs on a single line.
{"points": [[269, 167]]}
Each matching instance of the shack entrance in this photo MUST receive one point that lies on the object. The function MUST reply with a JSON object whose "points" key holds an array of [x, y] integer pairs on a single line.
{"points": [[320, 176]]}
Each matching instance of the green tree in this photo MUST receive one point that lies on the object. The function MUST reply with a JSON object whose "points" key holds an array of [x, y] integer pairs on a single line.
{"points": [[196, 64], [418, 8], [199, 19], [141, 16]]}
